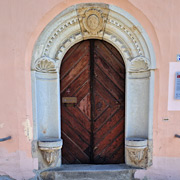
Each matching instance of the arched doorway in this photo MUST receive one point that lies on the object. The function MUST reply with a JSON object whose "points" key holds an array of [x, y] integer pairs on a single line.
{"points": [[117, 27], [92, 104]]}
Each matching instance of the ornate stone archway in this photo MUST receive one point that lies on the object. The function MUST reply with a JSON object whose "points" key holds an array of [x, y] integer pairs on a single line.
{"points": [[93, 21]]}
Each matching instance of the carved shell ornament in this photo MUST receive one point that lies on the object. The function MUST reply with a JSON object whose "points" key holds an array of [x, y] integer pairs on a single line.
{"points": [[93, 21], [45, 65], [139, 64]]}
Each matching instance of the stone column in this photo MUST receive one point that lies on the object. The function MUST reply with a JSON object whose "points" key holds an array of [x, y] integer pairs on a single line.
{"points": [[138, 140], [47, 101]]}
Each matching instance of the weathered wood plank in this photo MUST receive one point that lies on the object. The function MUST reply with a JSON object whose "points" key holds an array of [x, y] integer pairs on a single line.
{"points": [[106, 125]]}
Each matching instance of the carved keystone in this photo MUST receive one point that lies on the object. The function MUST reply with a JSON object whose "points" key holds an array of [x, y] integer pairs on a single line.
{"points": [[92, 20], [136, 152]]}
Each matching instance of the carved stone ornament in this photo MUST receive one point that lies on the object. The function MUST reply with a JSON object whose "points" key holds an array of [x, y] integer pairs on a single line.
{"points": [[45, 65], [137, 155], [50, 155], [136, 152], [92, 20], [50, 149], [139, 64]]}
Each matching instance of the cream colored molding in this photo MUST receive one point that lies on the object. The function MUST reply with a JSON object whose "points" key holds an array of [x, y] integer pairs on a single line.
{"points": [[46, 65]]}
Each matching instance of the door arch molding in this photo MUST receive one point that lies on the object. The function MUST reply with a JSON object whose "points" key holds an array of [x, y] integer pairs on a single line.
{"points": [[119, 28]]}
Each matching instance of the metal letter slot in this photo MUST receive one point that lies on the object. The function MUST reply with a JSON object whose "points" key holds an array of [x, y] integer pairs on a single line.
{"points": [[69, 101]]}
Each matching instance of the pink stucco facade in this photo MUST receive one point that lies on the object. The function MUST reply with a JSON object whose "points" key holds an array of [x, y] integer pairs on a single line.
{"points": [[21, 23]]}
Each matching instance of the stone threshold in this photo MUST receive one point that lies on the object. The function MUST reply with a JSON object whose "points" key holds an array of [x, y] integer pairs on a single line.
{"points": [[90, 172]]}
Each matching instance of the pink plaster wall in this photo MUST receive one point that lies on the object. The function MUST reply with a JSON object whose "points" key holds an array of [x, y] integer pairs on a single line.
{"points": [[21, 22]]}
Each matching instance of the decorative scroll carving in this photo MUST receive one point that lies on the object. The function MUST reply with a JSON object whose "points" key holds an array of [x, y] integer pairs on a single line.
{"points": [[92, 20], [139, 64], [45, 65], [50, 155]]}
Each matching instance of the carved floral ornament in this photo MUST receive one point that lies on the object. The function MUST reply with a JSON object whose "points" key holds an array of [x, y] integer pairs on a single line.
{"points": [[45, 65]]}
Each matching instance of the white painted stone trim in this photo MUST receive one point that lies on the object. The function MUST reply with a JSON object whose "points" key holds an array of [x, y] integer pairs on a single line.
{"points": [[118, 28]]}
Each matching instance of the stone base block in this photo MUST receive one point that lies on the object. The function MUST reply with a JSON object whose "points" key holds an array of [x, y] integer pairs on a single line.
{"points": [[90, 172]]}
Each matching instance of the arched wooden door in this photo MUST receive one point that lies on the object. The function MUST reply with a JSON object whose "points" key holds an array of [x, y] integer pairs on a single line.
{"points": [[92, 79]]}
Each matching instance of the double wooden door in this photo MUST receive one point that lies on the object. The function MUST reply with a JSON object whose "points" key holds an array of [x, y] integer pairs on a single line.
{"points": [[92, 78]]}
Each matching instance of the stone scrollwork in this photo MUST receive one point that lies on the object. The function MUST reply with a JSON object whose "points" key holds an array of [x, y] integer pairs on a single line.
{"points": [[139, 64], [45, 65], [92, 21]]}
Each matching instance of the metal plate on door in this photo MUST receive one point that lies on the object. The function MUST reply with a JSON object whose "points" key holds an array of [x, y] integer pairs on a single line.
{"points": [[69, 100]]}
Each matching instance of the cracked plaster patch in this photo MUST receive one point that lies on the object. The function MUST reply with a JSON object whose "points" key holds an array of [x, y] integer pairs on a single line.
{"points": [[1, 125], [28, 129]]}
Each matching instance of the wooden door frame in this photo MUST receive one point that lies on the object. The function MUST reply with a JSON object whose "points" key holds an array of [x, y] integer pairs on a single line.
{"points": [[111, 24]]}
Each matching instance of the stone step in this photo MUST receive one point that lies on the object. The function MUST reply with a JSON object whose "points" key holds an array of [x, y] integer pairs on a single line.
{"points": [[90, 172]]}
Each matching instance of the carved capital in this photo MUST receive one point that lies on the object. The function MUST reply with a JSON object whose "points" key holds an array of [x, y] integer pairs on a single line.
{"points": [[92, 20], [139, 64], [45, 65]]}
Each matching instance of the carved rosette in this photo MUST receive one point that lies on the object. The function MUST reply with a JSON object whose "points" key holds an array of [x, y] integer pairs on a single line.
{"points": [[45, 65], [50, 155], [92, 21], [139, 64]]}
